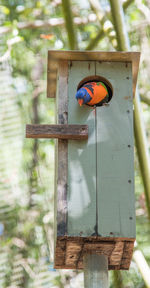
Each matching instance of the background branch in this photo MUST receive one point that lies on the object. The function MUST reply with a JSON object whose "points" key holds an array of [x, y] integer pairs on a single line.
{"points": [[53, 22], [145, 99], [102, 18], [10, 43]]}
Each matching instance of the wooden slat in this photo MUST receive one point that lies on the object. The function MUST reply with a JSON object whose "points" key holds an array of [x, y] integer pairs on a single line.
{"points": [[72, 253], [115, 154], [81, 160], [60, 252], [51, 78], [94, 56], [62, 131], [127, 255], [105, 248], [116, 254], [55, 56], [62, 151]]}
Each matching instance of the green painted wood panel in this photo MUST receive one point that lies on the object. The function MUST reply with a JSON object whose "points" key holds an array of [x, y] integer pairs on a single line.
{"points": [[81, 159], [115, 163]]}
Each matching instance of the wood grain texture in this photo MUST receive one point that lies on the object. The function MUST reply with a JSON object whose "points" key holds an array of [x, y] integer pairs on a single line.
{"points": [[116, 254], [70, 251], [81, 196], [62, 131], [62, 151], [55, 56], [94, 56], [52, 67], [127, 255], [115, 155], [72, 258]]}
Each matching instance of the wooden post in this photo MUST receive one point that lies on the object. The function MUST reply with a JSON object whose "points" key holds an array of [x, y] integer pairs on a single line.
{"points": [[95, 271]]}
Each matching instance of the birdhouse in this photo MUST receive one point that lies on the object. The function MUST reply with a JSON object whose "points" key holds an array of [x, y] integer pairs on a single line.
{"points": [[94, 159]]}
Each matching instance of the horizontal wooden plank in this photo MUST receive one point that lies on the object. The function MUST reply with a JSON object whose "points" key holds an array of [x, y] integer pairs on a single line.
{"points": [[94, 56], [62, 131]]}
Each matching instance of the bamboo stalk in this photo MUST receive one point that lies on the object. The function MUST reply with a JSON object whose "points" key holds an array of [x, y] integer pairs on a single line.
{"points": [[102, 18], [140, 136], [145, 99], [119, 25], [94, 41], [117, 279], [142, 149], [102, 32], [127, 3], [69, 24], [142, 266]]}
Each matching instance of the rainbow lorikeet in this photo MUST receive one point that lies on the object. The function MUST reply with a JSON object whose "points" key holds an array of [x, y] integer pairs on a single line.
{"points": [[93, 94]]}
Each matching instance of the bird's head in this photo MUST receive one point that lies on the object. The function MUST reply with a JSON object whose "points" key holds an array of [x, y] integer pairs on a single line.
{"points": [[82, 96]]}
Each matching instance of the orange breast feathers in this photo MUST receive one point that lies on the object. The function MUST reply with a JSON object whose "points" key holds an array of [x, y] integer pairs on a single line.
{"points": [[99, 92]]}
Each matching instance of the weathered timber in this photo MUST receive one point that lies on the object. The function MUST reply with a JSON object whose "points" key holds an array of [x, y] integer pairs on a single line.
{"points": [[55, 56], [70, 251], [62, 131], [61, 206]]}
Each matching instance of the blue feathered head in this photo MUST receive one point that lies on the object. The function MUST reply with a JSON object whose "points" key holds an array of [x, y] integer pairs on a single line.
{"points": [[83, 96]]}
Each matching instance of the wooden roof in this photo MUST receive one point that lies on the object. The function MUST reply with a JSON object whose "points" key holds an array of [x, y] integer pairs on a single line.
{"points": [[55, 56]]}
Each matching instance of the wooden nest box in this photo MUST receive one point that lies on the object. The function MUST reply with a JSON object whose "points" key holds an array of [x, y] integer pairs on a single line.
{"points": [[94, 191]]}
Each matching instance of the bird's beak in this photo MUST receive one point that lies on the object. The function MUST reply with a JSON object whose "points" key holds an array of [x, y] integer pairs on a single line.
{"points": [[80, 101]]}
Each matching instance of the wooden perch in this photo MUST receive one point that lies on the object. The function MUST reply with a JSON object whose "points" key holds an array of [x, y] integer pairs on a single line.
{"points": [[74, 132]]}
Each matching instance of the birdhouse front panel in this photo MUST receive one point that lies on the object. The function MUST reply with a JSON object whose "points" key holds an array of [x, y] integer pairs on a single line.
{"points": [[115, 155], [100, 193], [94, 193], [94, 171]]}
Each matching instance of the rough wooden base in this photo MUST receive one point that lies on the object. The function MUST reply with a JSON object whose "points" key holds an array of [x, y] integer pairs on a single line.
{"points": [[69, 251]]}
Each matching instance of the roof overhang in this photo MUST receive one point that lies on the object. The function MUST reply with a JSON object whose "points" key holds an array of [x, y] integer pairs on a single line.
{"points": [[55, 56]]}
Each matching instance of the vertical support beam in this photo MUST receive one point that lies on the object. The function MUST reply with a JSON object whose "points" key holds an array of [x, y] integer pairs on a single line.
{"points": [[95, 271], [62, 150]]}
